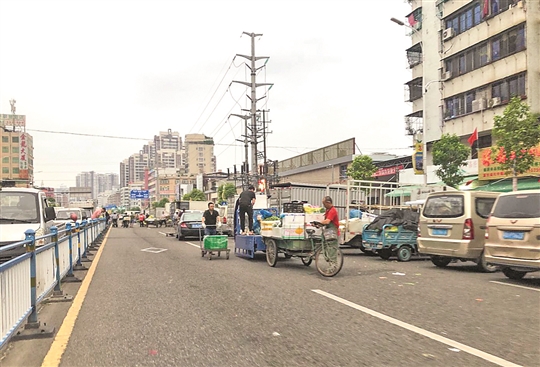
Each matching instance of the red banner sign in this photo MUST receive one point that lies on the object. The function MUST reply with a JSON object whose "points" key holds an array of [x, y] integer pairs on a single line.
{"points": [[388, 171]]}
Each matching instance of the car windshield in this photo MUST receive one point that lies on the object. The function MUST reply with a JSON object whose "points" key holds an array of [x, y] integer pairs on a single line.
{"points": [[66, 214], [518, 206], [444, 206], [19, 205], [192, 217]]}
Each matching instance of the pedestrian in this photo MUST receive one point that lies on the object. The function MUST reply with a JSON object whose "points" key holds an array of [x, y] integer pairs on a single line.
{"points": [[245, 203], [141, 220], [210, 220], [331, 220]]}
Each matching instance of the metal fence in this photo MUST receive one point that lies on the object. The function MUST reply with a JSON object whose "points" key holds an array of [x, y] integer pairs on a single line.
{"points": [[26, 280]]}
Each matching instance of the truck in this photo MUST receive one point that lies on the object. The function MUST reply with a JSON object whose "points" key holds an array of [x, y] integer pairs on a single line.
{"points": [[23, 209], [87, 207], [186, 205]]}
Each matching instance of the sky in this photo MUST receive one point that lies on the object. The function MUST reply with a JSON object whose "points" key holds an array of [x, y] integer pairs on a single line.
{"points": [[119, 72]]}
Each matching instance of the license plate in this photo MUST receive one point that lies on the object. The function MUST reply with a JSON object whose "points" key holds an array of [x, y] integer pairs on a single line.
{"points": [[196, 226], [440, 232], [512, 235]]}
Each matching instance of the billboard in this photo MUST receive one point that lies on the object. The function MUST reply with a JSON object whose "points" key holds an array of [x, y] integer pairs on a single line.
{"points": [[489, 169], [23, 152], [418, 158], [13, 121]]}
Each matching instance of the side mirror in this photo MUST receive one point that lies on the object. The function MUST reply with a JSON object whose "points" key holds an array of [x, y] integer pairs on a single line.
{"points": [[50, 214]]}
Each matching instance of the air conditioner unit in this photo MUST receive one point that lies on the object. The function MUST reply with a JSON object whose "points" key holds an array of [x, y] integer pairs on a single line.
{"points": [[448, 33], [495, 101], [447, 75], [478, 104]]}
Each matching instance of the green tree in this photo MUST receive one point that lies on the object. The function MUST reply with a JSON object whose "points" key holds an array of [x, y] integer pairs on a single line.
{"points": [[226, 191], [160, 204], [194, 195], [362, 168], [450, 154], [517, 135], [135, 209], [52, 202]]}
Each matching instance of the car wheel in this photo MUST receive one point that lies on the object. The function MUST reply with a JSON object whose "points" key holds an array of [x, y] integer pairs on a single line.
{"points": [[441, 261], [404, 253], [484, 266], [513, 274]]}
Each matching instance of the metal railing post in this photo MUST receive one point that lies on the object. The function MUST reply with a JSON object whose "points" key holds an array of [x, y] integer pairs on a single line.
{"points": [[30, 235], [54, 238], [70, 277]]}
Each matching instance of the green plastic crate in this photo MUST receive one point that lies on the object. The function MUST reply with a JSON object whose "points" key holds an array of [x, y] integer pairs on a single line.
{"points": [[215, 242]]}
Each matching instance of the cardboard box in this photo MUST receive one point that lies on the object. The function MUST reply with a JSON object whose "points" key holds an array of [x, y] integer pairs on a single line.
{"points": [[293, 231], [293, 218]]}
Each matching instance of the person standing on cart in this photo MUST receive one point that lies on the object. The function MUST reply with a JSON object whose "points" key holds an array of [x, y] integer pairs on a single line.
{"points": [[246, 202], [210, 220]]}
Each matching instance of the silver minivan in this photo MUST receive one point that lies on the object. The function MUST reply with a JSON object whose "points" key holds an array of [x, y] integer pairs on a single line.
{"points": [[452, 227]]}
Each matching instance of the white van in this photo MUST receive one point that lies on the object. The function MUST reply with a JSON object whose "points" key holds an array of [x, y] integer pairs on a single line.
{"points": [[22, 209]]}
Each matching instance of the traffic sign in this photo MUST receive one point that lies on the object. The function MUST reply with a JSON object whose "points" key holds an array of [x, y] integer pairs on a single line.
{"points": [[139, 194]]}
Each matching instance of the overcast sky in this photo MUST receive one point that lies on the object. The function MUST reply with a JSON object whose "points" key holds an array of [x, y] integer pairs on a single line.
{"points": [[129, 69]]}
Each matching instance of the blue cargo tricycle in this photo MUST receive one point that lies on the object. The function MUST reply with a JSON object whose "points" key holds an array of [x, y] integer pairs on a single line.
{"points": [[391, 240]]}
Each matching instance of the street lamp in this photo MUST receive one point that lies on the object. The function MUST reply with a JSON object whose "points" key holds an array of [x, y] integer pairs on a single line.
{"points": [[424, 90]]}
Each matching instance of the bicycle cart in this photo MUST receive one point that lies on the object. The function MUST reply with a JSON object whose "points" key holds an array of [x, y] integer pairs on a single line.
{"points": [[215, 244], [327, 255], [391, 240]]}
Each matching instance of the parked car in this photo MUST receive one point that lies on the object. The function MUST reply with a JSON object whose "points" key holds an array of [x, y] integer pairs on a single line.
{"points": [[513, 233], [190, 225], [64, 215], [226, 227], [452, 227]]}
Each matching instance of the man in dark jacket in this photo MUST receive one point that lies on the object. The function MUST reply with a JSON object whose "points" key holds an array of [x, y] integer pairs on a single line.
{"points": [[245, 203]]}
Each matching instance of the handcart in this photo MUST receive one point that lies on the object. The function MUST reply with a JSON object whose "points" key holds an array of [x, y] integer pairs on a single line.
{"points": [[391, 240], [215, 243], [328, 256]]}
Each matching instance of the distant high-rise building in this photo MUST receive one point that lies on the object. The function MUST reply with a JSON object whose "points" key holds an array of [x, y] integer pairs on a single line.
{"points": [[199, 154], [17, 161], [98, 182]]}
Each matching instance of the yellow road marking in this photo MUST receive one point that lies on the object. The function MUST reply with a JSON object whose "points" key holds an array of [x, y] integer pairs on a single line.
{"points": [[60, 343]]}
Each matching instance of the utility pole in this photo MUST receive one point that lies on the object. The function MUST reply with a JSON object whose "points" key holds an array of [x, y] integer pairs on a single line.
{"points": [[253, 85]]}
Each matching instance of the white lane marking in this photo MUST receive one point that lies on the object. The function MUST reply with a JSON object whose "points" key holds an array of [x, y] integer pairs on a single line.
{"points": [[154, 250], [163, 233], [415, 329], [515, 285], [194, 245]]}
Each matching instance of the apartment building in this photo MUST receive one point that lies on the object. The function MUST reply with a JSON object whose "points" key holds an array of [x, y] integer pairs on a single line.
{"points": [[199, 154], [17, 163], [468, 58]]}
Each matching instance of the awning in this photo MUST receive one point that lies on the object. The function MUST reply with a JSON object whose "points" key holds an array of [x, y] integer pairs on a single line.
{"points": [[531, 183]]}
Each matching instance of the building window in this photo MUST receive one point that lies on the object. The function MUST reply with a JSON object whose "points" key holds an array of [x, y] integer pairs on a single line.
{"points": [[5, 139], [14, 159], [14, 139], [5, 170], [14, 149], [15, 170], [5, 159], [5, 149]]}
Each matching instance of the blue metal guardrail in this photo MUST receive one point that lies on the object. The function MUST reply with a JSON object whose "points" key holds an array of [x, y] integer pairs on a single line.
{"points": [[26, 280]]}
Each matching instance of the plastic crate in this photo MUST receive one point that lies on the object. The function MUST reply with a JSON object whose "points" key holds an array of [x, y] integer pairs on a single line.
{"points": [[215, 242], [293, 207]]}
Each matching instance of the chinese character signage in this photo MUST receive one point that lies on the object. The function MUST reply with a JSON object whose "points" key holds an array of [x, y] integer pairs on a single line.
{"points": [[489, 169], [12, 120], [23, 152], [139, 194], [385, 171]]}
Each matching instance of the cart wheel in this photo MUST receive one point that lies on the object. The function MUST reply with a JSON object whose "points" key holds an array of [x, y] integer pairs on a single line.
{"points": [[202, 253], [307, 260], [219, 254], [271, 252], [385, 254], [330, 261], [227, 256], [404, 253], [209, 255]]}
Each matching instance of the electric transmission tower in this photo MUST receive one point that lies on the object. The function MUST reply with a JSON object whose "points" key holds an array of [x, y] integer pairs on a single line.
{"points": [[252, 131]]}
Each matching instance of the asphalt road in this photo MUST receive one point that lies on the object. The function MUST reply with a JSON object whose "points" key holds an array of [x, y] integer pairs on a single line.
{"points": [[174, 308]]}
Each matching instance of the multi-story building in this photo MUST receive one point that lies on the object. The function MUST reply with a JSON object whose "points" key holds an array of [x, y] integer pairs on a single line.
{"points": [[468, 59], [17, 163], [138, 164], [199, 154], [124, 173], [167, 150]]}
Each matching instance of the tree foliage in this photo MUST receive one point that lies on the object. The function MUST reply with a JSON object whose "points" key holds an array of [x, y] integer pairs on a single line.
{"points": [[226, 191], [517, 135], [160, 204], [135, 209], [362, 168], [194, 195], [52, 202], [450, 154]]}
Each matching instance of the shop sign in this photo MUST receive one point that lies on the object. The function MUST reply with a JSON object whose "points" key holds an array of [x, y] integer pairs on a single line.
{"points": [[489, 169], [385, 171]]}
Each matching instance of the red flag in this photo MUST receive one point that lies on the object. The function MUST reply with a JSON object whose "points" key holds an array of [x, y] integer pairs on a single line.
{"points": [[485, 10], [473, 137]]}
